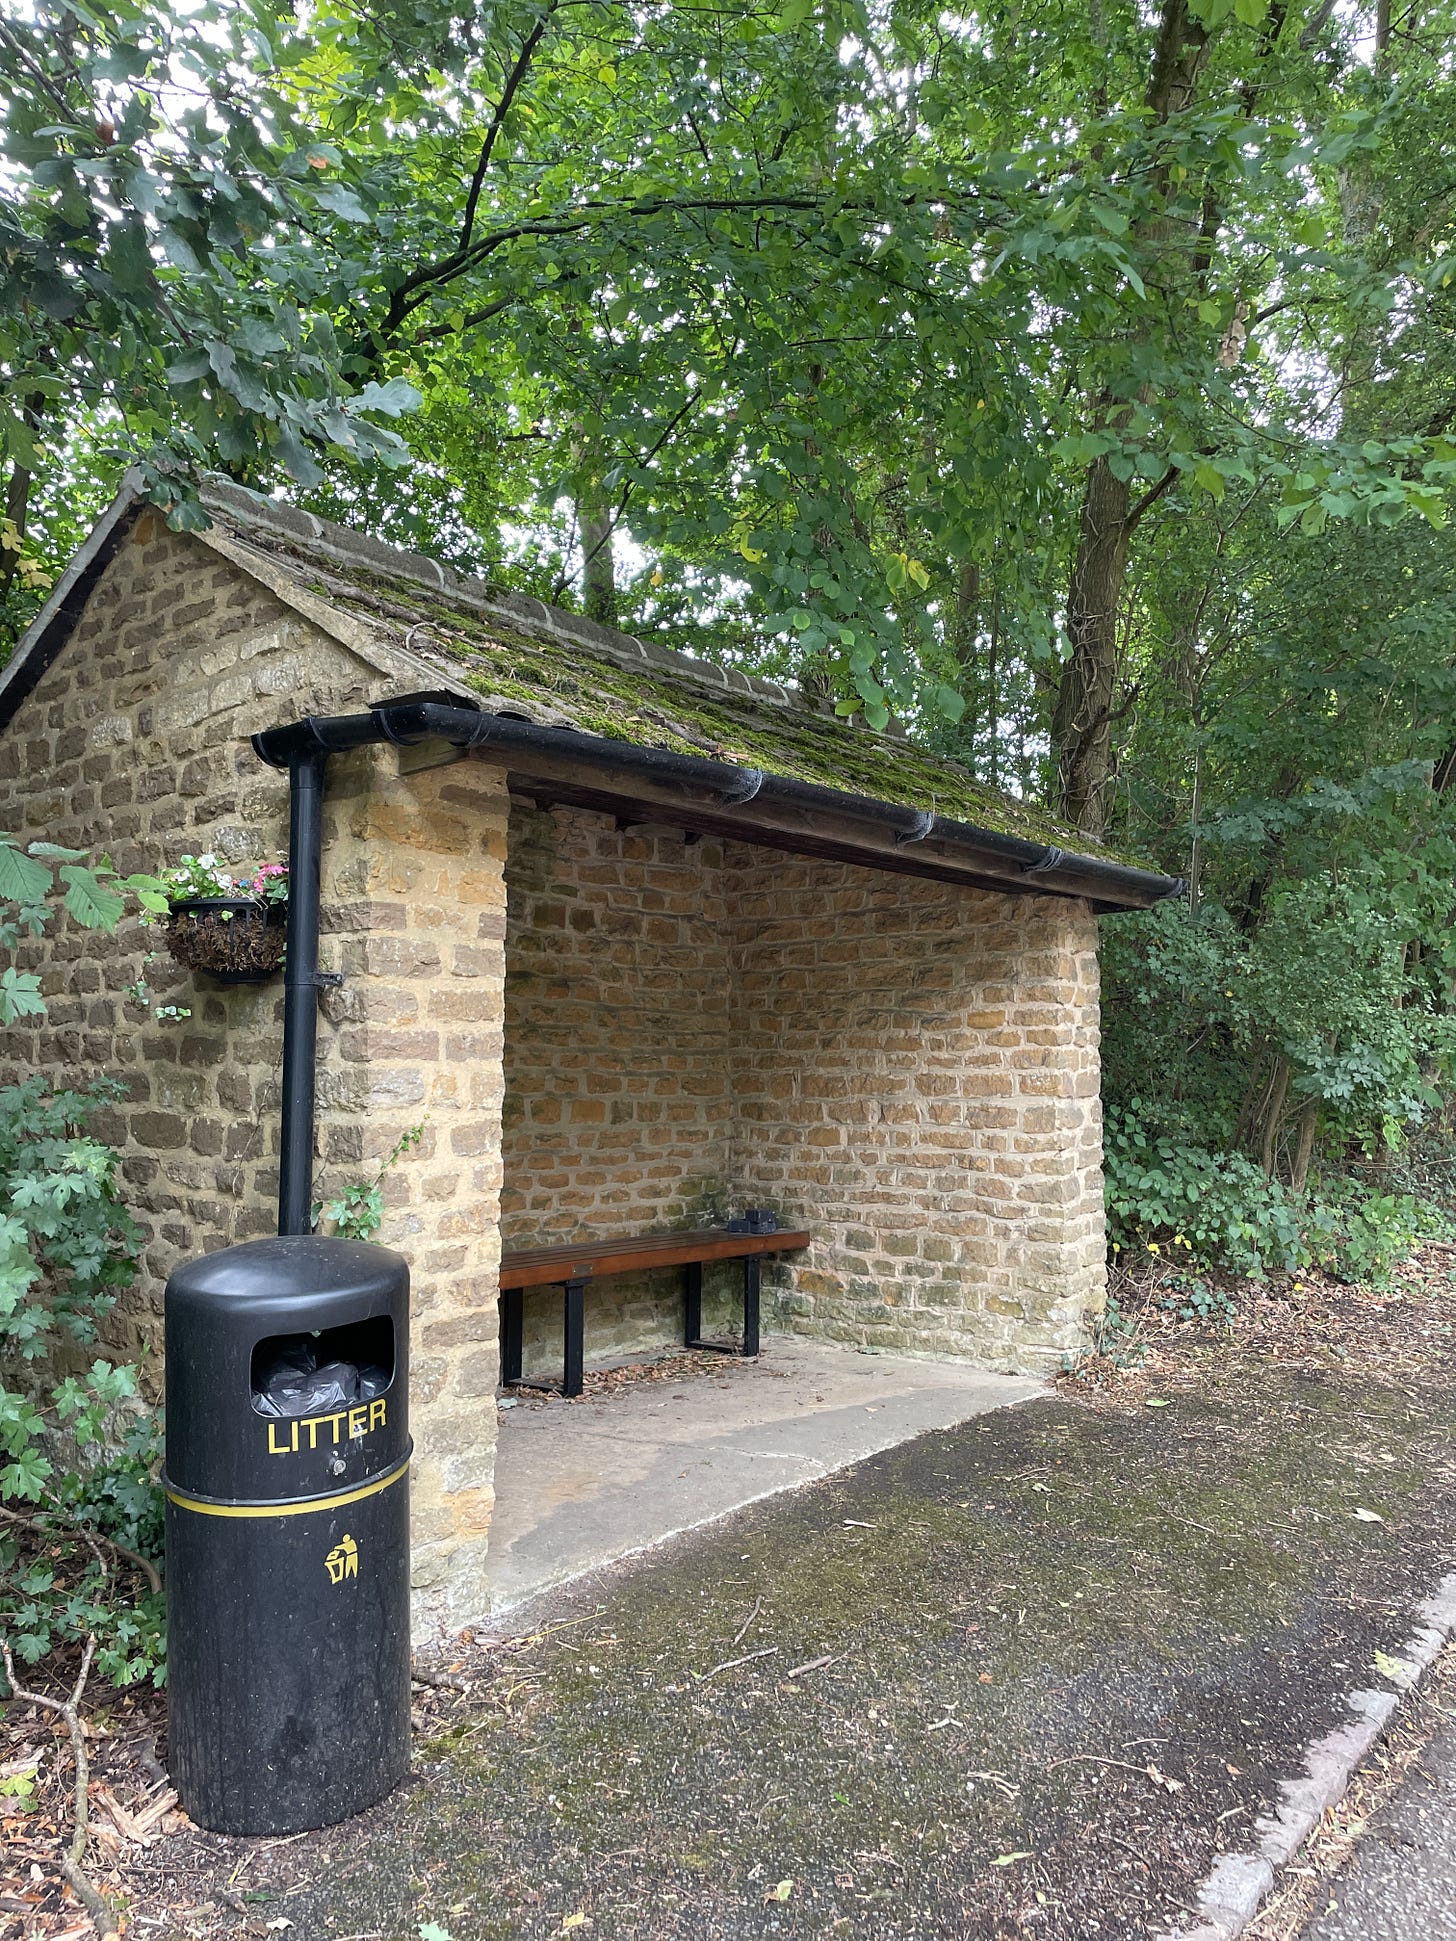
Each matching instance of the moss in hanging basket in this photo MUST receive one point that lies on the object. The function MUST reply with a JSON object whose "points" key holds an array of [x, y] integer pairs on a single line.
{"points": [[236, 939]]}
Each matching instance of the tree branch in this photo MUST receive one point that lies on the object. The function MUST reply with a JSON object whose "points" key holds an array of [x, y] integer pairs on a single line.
{"points": [[103, 1917], [149, 1570], [502, 108], [421, 283], [475, 318], [1150, 498], [646, 459]]}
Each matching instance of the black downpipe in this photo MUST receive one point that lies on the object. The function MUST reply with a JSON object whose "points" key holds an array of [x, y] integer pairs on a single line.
{"points": [[300, 990]]}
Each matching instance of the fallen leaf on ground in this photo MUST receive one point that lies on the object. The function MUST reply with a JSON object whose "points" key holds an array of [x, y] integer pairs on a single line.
{"points": [[1006, 1859], [1395, 1669], [781, 1892]]}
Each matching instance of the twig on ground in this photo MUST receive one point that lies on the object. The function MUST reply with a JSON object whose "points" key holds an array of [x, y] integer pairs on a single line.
{"points": [[1127, 1847], [1149, 1773], [93, 1537], [729, 1663], [743, 1628], [103, 1917]]}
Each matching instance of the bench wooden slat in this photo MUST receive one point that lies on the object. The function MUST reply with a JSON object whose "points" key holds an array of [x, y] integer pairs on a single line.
{"points": [[554, 1266]]}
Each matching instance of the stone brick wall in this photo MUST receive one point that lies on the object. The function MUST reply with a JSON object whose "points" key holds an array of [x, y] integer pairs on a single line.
{"points": [[908, 1068], [916, 1069], [415, 894], [618, 1115], [136, 742]]}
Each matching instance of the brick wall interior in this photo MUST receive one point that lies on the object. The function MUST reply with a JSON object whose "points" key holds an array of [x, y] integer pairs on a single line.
{"points": [[907, 1068], [619, 1096]]}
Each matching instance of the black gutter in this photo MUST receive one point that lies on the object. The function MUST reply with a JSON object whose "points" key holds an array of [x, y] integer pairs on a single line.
{"points": [[303, 747]]}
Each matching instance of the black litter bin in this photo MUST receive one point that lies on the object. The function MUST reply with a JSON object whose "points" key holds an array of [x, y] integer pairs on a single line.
{"points": [[287, 1484]]}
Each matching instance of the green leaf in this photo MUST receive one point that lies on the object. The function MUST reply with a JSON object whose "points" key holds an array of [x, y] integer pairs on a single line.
{"points": [[54, 852], [1209, 479], [297, 459], [342, 202], [21, 880], [91, 902], [391, 400]]}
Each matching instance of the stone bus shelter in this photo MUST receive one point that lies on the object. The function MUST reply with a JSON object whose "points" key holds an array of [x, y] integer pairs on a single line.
{"points": [[679, 942]]}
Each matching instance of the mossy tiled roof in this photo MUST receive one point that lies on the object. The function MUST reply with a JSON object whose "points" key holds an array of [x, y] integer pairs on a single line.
{"points": [[555, 668]]}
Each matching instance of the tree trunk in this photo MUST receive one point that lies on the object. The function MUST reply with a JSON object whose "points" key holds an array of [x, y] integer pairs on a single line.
{"points": [[1253, 1097], [17, 498], [599, 566], [1273, 1113], [1086, 694], [1304, 1145], [17, 506], [1082, 721]]}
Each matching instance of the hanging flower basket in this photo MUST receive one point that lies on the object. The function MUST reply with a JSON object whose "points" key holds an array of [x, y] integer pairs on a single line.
{"points": [[233, 931], [235, 939]]}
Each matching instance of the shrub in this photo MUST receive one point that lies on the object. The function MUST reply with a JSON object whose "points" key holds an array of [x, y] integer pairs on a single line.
{"points": [[80, 1509], [1167, 1194], [1171, 1197], [78, 1451]]}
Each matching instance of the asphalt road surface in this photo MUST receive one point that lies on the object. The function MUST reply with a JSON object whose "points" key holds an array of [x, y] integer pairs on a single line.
{"points": [[1401, 1883]]}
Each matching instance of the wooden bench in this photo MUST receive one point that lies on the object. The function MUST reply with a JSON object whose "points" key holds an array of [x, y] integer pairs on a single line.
{"points": [[570, 1268]]}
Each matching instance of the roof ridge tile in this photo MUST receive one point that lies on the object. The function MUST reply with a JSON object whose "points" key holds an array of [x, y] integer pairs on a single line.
{"points": [[348, 542]]}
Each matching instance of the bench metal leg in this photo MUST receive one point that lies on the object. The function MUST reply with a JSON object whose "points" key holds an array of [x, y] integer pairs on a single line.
{"points": [[574, 1318], [512, 1331], [573, 1330], [693, 1303], [693, 1308], [752, 1285]]}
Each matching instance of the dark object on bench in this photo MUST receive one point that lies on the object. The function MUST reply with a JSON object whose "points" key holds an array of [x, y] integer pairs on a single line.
{"points": [[754, 1219], [570, 1268]]}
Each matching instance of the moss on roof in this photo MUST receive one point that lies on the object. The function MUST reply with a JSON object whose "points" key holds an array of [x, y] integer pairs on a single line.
{"points": [[651, 699]]}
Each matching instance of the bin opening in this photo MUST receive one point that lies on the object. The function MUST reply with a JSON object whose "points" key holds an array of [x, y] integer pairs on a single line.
{"points": [[331, 1368]]}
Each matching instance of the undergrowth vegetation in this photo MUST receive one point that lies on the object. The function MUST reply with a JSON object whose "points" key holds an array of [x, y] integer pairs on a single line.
{"points": [[80, 1508]]}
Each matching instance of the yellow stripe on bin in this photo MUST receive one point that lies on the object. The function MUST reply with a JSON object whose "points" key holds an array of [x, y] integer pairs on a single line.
{"points": [[304, 1508]]}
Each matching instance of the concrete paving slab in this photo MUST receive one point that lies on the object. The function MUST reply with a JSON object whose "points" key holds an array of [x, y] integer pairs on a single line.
{"points": [[580, 1484]]}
